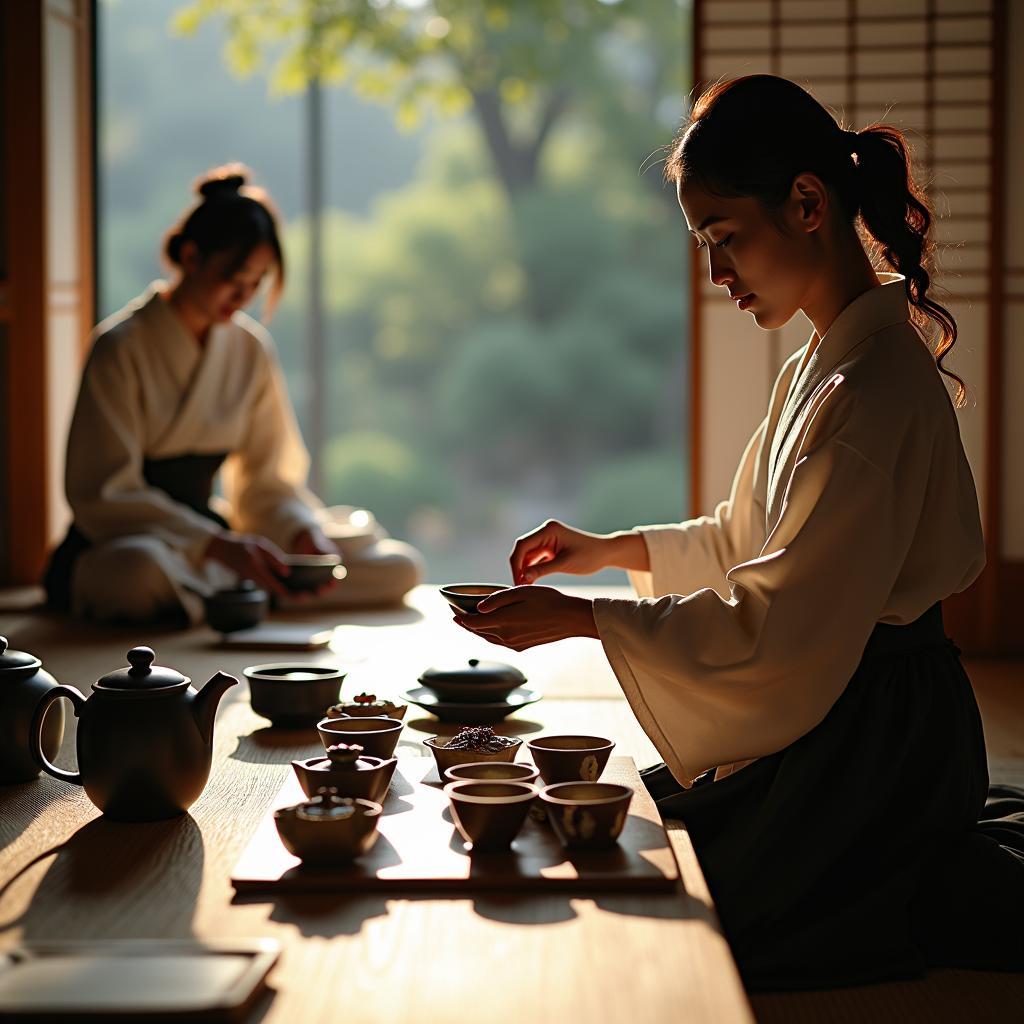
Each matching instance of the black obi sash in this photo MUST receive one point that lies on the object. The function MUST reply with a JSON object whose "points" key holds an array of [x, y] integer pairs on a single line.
{"points": [[187, 479]]}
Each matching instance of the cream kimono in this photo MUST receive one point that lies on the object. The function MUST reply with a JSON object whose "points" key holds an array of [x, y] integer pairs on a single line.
{"points": [[853, 504], [150, 393]]}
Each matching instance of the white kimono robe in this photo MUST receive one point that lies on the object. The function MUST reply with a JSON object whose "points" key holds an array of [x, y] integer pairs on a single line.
{"points": [[150, 392], [853, 504]]}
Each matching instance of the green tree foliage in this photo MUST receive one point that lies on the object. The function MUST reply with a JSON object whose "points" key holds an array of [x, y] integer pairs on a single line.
{"points": [[434, 344], [505, 321], [518, 65]]}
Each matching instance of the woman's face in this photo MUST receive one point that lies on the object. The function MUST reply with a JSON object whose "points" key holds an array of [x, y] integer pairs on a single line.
{"points": [[767, 270], [217, 289]]}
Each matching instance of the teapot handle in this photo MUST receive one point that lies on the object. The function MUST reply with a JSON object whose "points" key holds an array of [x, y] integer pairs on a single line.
{"points": [[35, 733]]}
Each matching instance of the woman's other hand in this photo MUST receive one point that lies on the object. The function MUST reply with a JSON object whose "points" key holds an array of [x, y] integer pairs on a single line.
{"points": [[313, 541], [555, 547], [524, 617], [251, 558]]}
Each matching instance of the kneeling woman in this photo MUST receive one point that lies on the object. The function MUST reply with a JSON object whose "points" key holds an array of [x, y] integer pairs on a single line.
{"points": [[179, 384], [786, 655]]}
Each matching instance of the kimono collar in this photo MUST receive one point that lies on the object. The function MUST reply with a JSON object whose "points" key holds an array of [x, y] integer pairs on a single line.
{"points": [[874, 311], [160, 317], [177, 343]]}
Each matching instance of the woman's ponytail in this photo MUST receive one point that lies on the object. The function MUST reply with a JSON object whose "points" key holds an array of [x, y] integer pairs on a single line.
{"points": [[752, 136], [897, 217]]}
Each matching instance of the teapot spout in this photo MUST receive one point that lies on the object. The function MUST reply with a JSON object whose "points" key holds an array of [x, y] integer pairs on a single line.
{"points": [[204, 707]]}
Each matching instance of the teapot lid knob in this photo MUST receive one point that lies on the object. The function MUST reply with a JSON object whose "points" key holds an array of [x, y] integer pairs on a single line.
{"points": [[3, 645], [140, 659], [473, 662], [143, 674]]}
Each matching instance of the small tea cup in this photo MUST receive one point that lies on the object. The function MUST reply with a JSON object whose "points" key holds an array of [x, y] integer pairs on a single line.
{"points": [[311, 572], [489, 815], [587, 815], [492, 771], [377, 736], [570, 758], [464, 597]]}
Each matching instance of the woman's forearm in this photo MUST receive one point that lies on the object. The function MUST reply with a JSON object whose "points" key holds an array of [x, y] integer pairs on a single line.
{"points": [[628, 550]]}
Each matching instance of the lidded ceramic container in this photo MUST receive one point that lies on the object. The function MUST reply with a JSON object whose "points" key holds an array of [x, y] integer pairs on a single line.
{"points": [[475, 682], [23, 683], [349, 771]]}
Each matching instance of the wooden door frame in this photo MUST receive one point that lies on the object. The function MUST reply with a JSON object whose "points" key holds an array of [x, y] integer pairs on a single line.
{"points": [[25, 293], [26, 433]]}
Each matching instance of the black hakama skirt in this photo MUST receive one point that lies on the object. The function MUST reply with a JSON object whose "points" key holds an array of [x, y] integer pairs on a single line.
{"points": [[873, 847]]}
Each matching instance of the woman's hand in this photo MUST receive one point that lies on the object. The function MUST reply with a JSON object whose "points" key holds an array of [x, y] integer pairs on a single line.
{"points": [[252, 558], [313, 541], [555, 547], [524, 617]]}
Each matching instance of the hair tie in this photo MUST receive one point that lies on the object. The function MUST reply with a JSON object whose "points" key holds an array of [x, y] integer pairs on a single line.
{"points": [[851, 139]]}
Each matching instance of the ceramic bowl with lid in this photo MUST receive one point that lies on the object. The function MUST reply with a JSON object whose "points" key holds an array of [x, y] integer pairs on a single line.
{"points": [[328, 828], [367, 705], [348, 770], [475, 682]]}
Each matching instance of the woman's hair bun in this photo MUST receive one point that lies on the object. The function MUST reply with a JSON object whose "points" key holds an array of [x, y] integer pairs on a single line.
{"points": [[226, 180]]}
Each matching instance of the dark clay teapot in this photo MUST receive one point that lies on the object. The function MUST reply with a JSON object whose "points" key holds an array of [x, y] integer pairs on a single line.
{"points": [[23, 681], [145, 739]]}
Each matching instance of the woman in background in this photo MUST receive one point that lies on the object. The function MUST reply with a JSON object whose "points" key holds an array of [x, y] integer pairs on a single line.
{"points": [[181, 385], [786, 655]]}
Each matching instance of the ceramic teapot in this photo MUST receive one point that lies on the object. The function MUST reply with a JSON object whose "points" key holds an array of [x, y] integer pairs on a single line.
{"points": [[145, 738], [23, 681]]}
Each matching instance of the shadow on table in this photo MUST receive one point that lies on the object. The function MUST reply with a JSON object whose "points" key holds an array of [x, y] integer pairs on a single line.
{"points": [[322, 914], [270, 745], [22, 802], [325, 914], [108, 872]]}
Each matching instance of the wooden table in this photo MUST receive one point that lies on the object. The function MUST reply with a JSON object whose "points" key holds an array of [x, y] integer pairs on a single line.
{"points": [[68, 874]]}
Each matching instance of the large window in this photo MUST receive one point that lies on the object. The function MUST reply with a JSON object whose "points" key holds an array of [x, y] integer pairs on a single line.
{"points": [[503, 289]]}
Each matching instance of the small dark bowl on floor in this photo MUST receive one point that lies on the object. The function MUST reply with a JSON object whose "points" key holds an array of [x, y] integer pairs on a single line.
{"points": [[241, 607], [311, 572], [292, 693]]}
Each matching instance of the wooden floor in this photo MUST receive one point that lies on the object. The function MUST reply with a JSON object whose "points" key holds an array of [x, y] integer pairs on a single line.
{"points": [[78, 654]]}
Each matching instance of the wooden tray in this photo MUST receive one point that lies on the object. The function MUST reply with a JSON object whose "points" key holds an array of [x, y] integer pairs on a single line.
{"points": [[419, 849]]}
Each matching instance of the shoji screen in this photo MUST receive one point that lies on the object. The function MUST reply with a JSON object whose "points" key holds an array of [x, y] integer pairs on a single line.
{"points": [[933, 68]]}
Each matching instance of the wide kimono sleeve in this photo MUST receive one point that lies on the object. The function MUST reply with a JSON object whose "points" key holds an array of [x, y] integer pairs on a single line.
{"points": [[104, 480], [715, 681], [265, 480], [693, 555]]}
